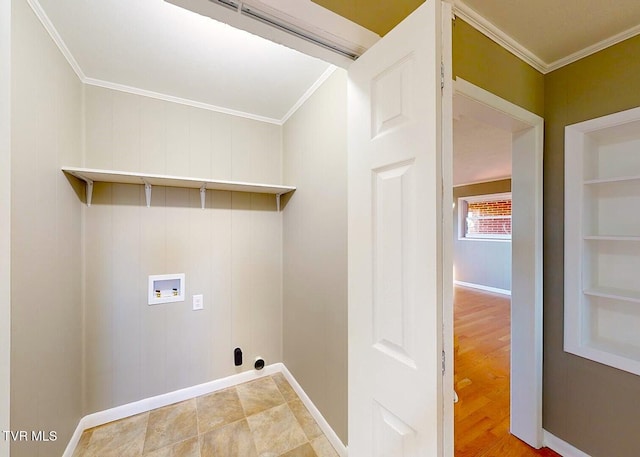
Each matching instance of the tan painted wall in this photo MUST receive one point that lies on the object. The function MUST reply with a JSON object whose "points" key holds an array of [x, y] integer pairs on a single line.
{"points": [[231, 252], [585, 403], [589, 405], [46, 321], [315, 250], [484, 63]]}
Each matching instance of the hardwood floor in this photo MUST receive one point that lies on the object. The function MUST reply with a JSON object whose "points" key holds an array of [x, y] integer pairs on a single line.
{"points": [[482, 330]]}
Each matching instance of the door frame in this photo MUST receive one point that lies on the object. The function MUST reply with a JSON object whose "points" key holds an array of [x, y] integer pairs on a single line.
{"points": [[5, 219], [527, 180]]}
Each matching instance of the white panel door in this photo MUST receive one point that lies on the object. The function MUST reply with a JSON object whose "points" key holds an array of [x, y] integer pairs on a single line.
{"points": [[395, 242]]}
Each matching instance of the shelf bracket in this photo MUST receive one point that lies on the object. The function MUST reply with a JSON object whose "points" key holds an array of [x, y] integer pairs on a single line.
{"points": [[203, 195], [89, 190], [278, 202], [147, 193]]}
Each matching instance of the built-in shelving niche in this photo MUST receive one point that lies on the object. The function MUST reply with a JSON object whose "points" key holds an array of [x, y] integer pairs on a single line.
{"points": [[89, 176], [602, 240]]}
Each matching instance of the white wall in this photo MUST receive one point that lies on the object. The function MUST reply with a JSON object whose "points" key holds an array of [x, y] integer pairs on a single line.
{"points": [[46, 313], [484, 263], [231, 252], [315, 249], [5, 218]]}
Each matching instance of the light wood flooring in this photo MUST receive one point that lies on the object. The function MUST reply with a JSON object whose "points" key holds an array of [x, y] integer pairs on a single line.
{"points": [[482, 328]]}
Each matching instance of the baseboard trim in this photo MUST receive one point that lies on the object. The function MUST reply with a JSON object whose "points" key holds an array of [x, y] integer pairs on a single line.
{"points": [[147, 404], [471, 285], [315, 412], [561, 447]]}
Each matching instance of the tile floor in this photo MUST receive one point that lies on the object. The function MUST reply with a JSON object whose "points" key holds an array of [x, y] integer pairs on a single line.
{"points": [[261, 418]]}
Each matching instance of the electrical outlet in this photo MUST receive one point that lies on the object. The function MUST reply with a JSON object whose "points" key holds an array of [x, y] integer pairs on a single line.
{"points": [[198, 302]]}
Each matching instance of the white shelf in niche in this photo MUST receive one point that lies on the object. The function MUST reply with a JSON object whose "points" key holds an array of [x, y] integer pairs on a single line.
{"points": [[611, 238], [614, 293], [610, 180], [602, 240], [90, 175]]}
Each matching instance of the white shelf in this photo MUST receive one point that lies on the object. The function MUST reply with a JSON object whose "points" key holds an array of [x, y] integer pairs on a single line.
{"points": [[612, 238], [610, 180], [602, 240], [89, 176], [614, 294]]}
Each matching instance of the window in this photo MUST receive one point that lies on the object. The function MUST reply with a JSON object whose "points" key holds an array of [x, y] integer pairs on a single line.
{"points": [[485, 217]]}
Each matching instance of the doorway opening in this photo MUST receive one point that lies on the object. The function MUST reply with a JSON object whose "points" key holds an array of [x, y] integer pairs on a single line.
{"points": [[482, 284], [521, 276]]}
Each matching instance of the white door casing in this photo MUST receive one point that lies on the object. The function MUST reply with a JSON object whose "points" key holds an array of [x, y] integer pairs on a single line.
{"points": [[527, 131], [395, 242], [5, 219]]}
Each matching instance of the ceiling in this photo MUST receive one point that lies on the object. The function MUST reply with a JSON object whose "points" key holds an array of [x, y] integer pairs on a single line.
{"points": [[379, 16], [155, 47], [158, 47], [481, 152], [553, 30], [546, 33]]}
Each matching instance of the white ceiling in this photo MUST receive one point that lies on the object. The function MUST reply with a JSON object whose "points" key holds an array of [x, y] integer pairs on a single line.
{"points": [[481, 152], [156, 46], [554, 31]]}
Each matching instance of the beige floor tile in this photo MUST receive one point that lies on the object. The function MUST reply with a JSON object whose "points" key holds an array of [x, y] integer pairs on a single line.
{"points": [[276, 431], [217, 409], [83, 444], [307, 422], [323, 447], [306, 450], [285, 388], [171, 424], [272, 428], [259, 395], [232, 440], [186, 448], [123, 438]]}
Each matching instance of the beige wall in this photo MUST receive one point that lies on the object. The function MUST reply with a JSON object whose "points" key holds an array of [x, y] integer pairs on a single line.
{"points": [[590, 405], [315, 250], [231, 252], [46, 332]]}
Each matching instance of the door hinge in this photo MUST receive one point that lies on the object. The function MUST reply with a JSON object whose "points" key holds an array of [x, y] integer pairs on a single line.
{"points": [[442, 76], [444, 362]]}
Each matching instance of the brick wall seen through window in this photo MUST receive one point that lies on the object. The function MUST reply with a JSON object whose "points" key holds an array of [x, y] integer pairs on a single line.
{"points": [[485, 217]]}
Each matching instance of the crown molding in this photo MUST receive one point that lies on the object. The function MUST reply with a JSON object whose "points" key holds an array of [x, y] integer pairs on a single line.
{"points": [[62, 46], [55, 36], [460, 9], [323, 77], [179, 100], [490, 30], [483, 181], [487, 28], [599, 46]]}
